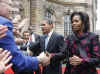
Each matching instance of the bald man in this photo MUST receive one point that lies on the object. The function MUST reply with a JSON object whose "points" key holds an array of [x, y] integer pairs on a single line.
{"points": [[20, 62]]}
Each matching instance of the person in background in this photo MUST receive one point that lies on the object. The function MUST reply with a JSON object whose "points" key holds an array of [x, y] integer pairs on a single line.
{"points": [[30, 40], [25, 44], [18, 39], [24, 48], [83, 52], [34, 38]]}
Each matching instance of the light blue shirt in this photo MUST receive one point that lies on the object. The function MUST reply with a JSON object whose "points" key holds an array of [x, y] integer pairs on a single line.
{"points": [[48, 38]]}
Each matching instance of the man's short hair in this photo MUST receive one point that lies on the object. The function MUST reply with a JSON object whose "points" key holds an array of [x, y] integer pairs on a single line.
{"points": [[49, 21]]}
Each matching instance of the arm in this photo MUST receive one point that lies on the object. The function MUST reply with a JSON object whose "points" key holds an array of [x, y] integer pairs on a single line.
{"points": [[20, 62], [94, 49], [4, 59], [61, 45], [35, 46]]}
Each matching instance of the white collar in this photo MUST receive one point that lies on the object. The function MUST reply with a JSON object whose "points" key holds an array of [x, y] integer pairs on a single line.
{"points": [[50, 33]]}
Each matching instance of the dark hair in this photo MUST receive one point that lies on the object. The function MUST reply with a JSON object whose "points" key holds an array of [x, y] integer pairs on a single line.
{"points": [[85, 19], [49, 21], [26, 32]]}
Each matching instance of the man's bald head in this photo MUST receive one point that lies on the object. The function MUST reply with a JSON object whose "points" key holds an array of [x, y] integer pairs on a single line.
{"points": [[4, 10]]}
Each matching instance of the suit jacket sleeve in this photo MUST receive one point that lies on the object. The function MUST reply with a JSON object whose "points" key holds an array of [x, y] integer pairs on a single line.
{"points": [[61, 47], [20, 62], [34, 46]]}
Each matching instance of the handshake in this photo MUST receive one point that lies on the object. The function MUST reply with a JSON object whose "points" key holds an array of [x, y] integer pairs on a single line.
{"points": [[44, 58]]}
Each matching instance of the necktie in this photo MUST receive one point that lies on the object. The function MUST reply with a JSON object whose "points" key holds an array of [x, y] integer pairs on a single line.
{"points": [[46, 40]]}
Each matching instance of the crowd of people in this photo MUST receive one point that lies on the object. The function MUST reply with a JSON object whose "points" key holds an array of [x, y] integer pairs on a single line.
{"points": [[27, 52]]}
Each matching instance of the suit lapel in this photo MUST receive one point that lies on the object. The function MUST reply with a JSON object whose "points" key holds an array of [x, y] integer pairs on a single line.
{"points": [[51, 40], [42, 43]]}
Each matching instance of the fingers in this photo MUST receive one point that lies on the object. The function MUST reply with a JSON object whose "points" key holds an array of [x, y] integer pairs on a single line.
{"points": [[2, 67], [75, 60], [3, 30], [4, 59], [1, 50], [47, 63], [47, 54], [75, 63], [2, 54], [6, 56], [43, 58], [8, 66], [7, 60], [2, 35]]}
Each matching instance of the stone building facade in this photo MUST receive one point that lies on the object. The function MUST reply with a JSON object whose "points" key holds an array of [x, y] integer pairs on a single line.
{"points": [[57, 10]]}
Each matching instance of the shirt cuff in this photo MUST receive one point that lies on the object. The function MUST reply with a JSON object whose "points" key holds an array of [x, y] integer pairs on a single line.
{"points": [[52, 54], [85, 60]]}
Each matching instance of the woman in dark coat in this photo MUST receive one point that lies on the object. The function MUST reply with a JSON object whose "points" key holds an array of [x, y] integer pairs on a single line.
{"points": [[82, 47]]}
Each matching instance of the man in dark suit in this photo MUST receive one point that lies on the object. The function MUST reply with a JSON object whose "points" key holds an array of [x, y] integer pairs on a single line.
{"points": [[52, 43]]}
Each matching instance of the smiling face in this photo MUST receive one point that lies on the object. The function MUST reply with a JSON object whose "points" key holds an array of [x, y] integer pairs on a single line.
{"points": [[26, 35], [76, 23], [45, 27]]}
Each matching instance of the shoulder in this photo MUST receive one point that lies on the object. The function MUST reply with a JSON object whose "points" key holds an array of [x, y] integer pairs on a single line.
{"points": [[92, 35], [6, 22], [69, 37], [58, 35], [4, 19], [36, 35]]}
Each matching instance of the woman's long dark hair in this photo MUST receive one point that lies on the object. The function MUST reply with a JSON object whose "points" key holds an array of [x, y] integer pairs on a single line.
{"points": [[85, 19]]}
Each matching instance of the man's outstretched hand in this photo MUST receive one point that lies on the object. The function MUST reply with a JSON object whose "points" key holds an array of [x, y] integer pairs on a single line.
{"points": [[44, 58]]}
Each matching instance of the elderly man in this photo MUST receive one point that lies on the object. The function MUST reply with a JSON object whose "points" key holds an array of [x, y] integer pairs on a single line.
{"points": [[20, 62]]}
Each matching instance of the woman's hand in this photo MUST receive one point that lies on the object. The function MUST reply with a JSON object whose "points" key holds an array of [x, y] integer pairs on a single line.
{"points": [[75, 60]]}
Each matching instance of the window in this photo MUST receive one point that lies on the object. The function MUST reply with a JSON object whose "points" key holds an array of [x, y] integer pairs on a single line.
{"points": [[67, 25]]}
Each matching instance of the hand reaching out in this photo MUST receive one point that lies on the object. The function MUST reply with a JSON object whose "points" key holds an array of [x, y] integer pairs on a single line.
{"points": [[44, 58], [4, 59]]}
